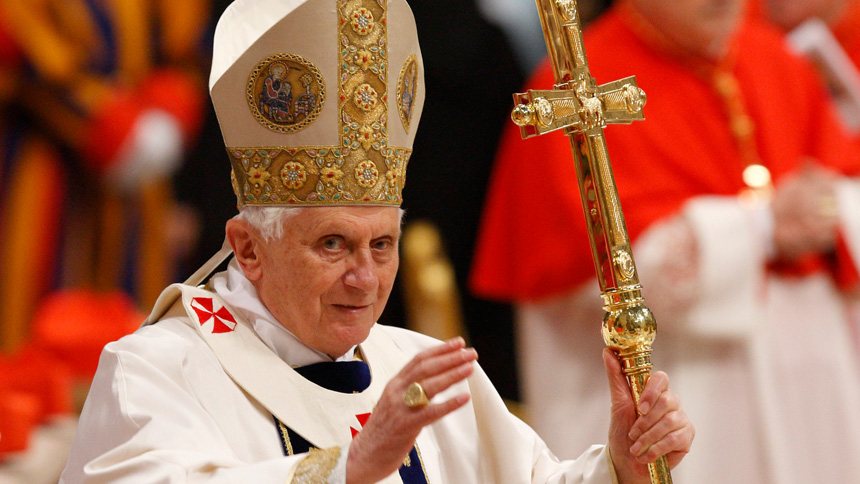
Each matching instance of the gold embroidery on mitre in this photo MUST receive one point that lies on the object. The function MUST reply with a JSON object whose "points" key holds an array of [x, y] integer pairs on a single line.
{"points": [[406, 89], [293, 175], [363, 77], [317, 466], [286, 92], [362, 169], [365, 97], [322, 175], [362, 21], [235, 184], [366, 174]]}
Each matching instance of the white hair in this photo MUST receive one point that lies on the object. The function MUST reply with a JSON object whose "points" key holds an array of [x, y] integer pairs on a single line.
{"points": [[270, 221]]}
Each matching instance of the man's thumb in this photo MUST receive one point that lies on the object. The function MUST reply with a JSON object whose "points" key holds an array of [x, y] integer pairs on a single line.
{"points": [[618, 389]]}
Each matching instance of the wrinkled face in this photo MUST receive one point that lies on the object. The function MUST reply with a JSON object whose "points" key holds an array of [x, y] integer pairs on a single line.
{"points": [[328, 278], [788, 14], [702, 27]]}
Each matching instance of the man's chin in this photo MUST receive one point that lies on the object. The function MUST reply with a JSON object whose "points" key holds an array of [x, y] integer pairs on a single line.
{"points": [[347, 336]]}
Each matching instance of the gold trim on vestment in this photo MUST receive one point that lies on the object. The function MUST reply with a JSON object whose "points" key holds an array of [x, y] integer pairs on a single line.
{"points": [[317, 466], [285, 434]]}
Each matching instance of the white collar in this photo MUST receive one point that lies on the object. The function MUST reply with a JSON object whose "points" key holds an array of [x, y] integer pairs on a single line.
{"points": [[238, 292]]}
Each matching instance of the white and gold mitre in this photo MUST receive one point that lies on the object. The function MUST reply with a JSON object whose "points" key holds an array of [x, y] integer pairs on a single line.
{"points": [[318, 100]]}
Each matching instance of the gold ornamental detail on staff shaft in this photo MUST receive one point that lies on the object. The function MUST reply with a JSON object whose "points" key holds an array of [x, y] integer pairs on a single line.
{"points": [[581, 108]]}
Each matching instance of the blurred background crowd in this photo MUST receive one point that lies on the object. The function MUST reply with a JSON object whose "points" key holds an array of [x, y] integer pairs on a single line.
{"points": [[114, 183]]}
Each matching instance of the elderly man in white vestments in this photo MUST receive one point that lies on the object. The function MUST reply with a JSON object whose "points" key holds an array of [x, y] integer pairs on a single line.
{"points": [[274, 370]]}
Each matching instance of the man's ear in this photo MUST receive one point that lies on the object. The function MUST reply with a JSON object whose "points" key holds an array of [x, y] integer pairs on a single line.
{"points": [[247, 246]]}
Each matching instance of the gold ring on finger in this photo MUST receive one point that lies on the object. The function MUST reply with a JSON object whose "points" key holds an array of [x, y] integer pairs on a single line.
{"points": [[414, 396]]}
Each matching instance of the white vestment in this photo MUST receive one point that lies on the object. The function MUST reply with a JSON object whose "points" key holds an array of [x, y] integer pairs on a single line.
{"points": [[166, 406], [765, 365]]}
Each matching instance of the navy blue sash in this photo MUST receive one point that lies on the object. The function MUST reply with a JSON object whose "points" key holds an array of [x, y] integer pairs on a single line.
{"points": [[345, 377]]}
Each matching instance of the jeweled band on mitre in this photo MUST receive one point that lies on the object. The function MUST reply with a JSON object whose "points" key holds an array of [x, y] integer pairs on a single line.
{"points": [[318, 175]]}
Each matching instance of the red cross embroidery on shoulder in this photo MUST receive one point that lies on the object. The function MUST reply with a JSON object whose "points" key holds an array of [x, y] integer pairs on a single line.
{"points": [[362, 419], [223, 321]]}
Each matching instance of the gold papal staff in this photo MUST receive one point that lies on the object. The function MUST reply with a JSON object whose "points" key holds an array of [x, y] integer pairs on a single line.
{"points": [[581, 108]]}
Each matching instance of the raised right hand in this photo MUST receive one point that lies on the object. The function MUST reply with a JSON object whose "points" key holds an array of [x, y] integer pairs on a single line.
{"points": [[390, 432]]}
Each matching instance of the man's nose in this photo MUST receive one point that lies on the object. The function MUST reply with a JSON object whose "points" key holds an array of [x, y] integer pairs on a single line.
{"points": [[362, 273]]}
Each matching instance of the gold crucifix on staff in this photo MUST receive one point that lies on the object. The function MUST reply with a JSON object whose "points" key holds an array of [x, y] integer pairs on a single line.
{"points": [[581, 108]]}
